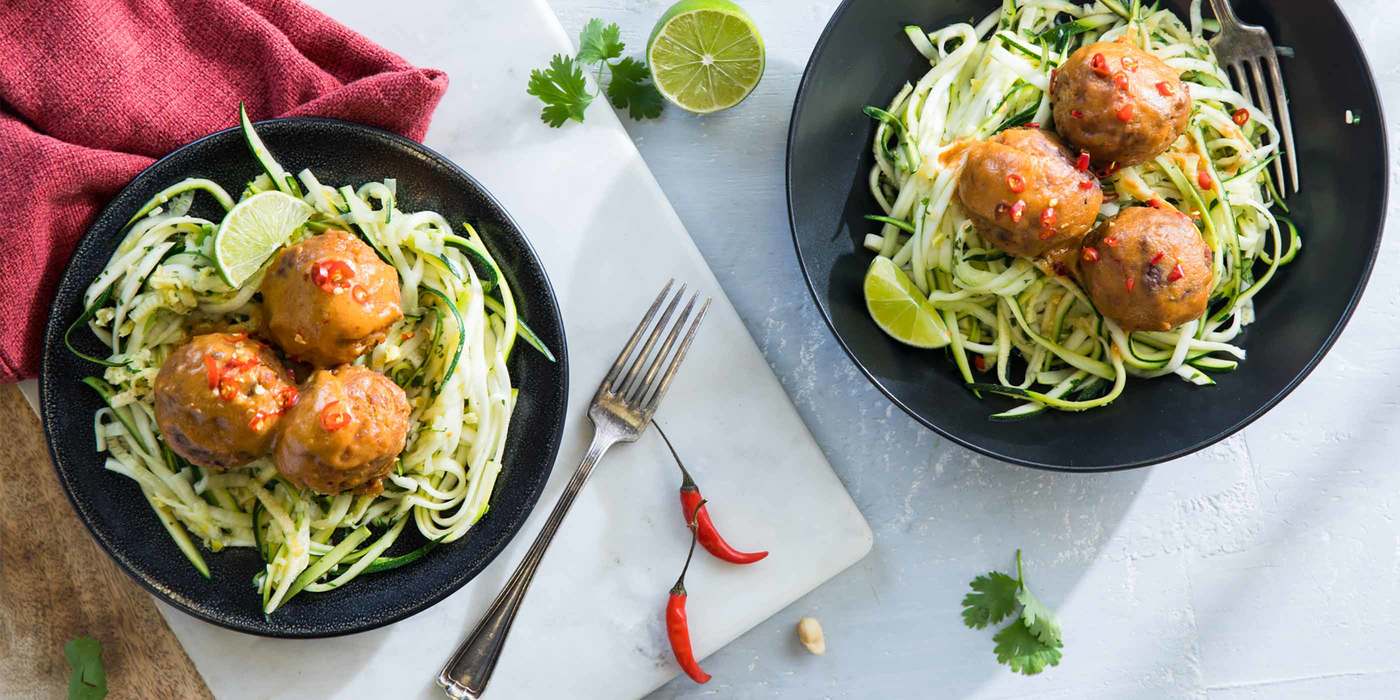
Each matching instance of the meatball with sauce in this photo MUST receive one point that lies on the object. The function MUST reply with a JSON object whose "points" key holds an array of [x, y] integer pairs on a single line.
{"points": [[1027, 194], [1147, 269], [218, 399], [329, 299], [1121, 104], [344, 433]]}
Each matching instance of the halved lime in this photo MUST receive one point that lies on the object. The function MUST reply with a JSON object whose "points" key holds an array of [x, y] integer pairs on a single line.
{"points": [[705, 55], [900, 309], [253, 230]]}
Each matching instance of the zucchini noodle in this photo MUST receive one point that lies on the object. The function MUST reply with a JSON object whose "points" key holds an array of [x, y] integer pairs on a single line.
{"points": [[1037, 331], [449, 353]]}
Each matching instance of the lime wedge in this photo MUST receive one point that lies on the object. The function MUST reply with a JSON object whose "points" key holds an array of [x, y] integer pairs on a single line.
{"points": [[705, 55], [253, 230], [900, 309]]}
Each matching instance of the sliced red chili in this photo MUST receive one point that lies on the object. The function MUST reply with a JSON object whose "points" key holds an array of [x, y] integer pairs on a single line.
{"points": [[1176, 274], [1129, 282], [1125, 113], [1086, 184], [1099, 64], [1203, 179], [1111, 241], [1156, 203], [287, 397], [1090, 254], [213, 371], [1032, 125], [1082, 163], [1157, 258], [1016, 183], [980, 362], [359, 294], [1120, 80], [1129, 63], [333, 418], [228, 388], [1076, 113], [331, 275], [1047, 217], [259, 421], [1018, 210], [1165, 89], [1240, 116]]}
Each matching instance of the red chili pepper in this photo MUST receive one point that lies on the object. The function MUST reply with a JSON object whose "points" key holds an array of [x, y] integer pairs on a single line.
{"points": [[1165, 89], [228, 388], [1090, 254], [1240, 116], [1125, 113], [1157, 258], [1099, 64], [1016, 183], [707, 533], [287, 397], [1129, 282], [1176, 274], [1077, 114], [1120, 80], [1082, 163], [677, 626], [332, 418], [1047, 217], [1156, 203], [359, 294], [1086, 185], [213, 371], [1203, 179], [1129, 63], [1112, 241], [1018, 210], [331, 275], [1032, 125], [980, 362], [259, 421]]}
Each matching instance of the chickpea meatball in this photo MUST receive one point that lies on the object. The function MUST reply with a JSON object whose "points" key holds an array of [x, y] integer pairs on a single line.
{"points": [[1147, 269], [329, 299], [219, 397], [1026, 194], [344, 432], [1121, 104]]}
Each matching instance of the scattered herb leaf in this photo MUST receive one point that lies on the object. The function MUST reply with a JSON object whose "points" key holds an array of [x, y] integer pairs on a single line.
{"points": [[1032, 642], [565, 93], [88, 680]]}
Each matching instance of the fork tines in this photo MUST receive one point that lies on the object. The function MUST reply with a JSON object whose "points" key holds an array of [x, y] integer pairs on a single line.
{"points": [[642, 389], [1249, 53]]}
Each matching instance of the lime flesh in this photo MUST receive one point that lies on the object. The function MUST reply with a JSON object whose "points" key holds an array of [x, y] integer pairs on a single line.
{"points": [[253, 230], [705, 55], [900, 309]]}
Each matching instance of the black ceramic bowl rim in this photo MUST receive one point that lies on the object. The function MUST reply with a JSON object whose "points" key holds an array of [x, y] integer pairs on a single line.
{"points": [[1333, 334], [53, 342]]}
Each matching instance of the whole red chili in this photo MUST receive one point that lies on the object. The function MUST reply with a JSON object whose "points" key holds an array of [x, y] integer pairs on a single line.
{"points": [[706, 532], [677, 626]]}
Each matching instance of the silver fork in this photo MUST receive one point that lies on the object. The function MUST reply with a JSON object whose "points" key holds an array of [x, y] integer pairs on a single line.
{"points": [[1242, 48], [625, 403]]}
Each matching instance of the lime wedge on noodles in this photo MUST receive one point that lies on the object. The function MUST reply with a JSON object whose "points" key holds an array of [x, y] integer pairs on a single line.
{"points": [[900, 309], [253, 230], [705, 55]]}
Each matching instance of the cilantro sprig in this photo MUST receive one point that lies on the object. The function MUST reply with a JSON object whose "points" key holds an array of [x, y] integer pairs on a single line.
{"points": [[565, 93], [88, 680], [1032, 642]]}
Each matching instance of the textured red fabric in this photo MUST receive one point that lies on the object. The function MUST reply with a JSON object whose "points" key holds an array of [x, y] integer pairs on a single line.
{"points": [[91, 91]]}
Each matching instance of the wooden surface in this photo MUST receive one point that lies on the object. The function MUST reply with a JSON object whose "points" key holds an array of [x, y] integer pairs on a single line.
{"points": [[56, 584]]}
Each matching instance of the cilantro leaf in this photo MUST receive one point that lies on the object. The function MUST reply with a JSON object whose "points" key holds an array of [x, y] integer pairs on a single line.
{"points": [[1038, 618], [88, 680], [562, 89], [1018, 648], [631, 87], [993, 599], [598, 43]]}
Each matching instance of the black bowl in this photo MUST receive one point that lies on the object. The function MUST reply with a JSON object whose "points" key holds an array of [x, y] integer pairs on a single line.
{"points": [[863, 57], [112, 506]]}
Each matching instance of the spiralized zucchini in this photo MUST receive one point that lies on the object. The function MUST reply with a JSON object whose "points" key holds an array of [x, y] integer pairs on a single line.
{"points": [[995, 75], [448, 353]]}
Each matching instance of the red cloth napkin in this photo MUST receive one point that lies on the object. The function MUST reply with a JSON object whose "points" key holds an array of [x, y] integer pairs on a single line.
{"points": [[92, 91]]}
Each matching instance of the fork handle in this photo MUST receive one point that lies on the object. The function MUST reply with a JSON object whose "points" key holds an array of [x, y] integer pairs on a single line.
{"points": [[469, 669]]}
